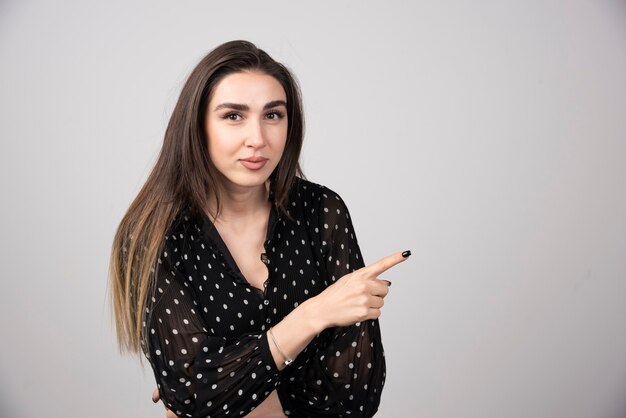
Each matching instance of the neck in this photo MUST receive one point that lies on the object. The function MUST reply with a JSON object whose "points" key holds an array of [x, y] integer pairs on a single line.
{"points": [[240, 203]]}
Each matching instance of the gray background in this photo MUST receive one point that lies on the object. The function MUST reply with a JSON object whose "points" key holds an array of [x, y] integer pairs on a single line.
{"points": [[487, 136]]}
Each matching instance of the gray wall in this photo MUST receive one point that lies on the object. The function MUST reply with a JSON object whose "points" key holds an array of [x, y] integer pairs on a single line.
{"points": [[487, 136]]}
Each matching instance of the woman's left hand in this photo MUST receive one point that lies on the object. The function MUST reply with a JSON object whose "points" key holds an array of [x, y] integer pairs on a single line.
{"points": [[156, 397]]}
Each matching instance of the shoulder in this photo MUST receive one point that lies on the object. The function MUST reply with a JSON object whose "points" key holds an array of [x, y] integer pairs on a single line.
{"points": [[181, 235], [318, 205], [312, 194]]}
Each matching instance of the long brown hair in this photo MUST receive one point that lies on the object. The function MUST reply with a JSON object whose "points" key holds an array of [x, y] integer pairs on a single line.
{"points": [[184, 177]]}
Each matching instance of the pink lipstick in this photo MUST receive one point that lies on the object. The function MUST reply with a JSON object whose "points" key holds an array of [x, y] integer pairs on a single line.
{"points": [[253, 163]]}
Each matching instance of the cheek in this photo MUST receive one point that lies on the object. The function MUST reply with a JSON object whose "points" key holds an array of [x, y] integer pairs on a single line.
{"points": [[219, 141], [279, 136]]}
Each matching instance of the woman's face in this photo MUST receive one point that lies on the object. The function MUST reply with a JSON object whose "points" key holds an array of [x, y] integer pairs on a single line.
{"points": [[246, 127]]}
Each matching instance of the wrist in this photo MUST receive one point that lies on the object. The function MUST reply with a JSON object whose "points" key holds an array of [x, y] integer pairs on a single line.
{"points": [[312, 315]]}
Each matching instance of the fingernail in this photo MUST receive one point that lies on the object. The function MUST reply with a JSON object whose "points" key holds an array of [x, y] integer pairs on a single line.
{"points": [[406, 253], [155, 400], [388, 282]]}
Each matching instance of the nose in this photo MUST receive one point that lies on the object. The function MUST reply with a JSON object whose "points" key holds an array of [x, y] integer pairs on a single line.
{"points": [[254, 136]]}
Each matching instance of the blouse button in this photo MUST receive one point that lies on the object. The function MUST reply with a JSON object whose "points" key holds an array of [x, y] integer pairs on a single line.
{"points": [[268, 320], [266, 302]]}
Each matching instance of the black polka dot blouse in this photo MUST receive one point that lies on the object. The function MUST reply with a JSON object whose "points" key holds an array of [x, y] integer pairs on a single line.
{"points": [[206, 325]]}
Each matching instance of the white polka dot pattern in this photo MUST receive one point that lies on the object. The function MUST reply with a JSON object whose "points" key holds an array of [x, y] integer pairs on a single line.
{"points": [[205, 333]]}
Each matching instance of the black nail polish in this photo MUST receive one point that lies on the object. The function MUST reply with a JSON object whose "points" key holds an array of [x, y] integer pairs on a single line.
{"points": [[388, 282], [406, 253]]}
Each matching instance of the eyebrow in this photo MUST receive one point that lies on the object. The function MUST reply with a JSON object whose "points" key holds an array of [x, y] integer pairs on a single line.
{"points": [[244, 108]]}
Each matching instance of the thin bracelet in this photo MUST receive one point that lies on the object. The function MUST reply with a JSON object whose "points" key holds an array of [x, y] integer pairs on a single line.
{"points": [[288, 360]]}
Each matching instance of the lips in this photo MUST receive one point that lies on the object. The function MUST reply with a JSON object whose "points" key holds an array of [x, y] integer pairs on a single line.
{"points": [[254, 159], [253, 163]]}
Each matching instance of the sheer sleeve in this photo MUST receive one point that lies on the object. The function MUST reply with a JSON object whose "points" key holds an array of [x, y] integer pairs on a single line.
{"points": [[344, 373], [198, 374]]}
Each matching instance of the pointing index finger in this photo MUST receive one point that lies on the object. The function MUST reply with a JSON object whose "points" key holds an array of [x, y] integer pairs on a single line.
{"points": [[386, 263]]}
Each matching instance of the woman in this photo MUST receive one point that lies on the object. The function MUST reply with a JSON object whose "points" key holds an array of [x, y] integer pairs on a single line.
{"points": [[242, 282]]}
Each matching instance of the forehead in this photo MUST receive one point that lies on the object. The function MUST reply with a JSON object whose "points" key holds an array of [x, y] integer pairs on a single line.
{"points": [[250, 87]]}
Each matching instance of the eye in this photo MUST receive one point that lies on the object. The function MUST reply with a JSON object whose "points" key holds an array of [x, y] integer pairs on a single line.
{"points": [[275, 115], [232, 116]]}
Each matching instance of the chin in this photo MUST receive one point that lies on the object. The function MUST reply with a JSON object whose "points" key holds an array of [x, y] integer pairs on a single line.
{"points": [[248, 181]]}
